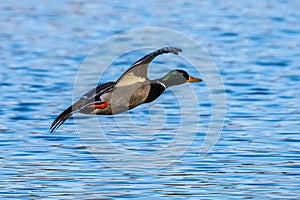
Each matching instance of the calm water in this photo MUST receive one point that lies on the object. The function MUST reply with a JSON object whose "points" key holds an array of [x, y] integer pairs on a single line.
{"points": [[256, 46]]}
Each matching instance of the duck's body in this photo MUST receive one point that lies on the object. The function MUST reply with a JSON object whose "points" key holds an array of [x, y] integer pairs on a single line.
{"points": [[130, 90]]}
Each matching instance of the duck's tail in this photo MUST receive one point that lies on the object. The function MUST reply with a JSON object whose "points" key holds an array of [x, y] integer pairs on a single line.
{"points": [[60, 119]]}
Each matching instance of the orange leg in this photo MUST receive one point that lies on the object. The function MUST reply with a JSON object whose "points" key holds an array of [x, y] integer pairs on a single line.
{"points": [[99, 106]]}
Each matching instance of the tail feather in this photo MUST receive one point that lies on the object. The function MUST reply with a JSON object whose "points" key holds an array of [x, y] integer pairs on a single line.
{"points": [[90, 98], [61, 119]]}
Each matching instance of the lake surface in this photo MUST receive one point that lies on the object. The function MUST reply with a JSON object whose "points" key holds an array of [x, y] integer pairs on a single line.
{"points": [[255, 45]]}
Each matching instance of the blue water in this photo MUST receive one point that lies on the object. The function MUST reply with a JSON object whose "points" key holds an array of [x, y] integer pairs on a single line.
{"points": [[255, 45]]}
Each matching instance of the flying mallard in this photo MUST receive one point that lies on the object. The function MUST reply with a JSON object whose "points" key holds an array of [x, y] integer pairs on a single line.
{"points": [[130, 90]]}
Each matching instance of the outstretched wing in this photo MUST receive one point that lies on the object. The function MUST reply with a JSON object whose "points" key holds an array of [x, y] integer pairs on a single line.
{"points": [[138, 71], [92, 96]]}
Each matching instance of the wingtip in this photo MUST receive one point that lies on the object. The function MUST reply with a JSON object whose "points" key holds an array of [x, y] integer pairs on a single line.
{"points": [[178, 49], [60, 119], [52, 129], [174, 50]]}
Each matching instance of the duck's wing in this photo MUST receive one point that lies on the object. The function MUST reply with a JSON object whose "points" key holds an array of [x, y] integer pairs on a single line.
{"points": [[98, 91], [93, 95], [138, 71]]}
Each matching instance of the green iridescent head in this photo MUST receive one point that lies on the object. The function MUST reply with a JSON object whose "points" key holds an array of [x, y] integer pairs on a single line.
{"points": [[178, 77]]}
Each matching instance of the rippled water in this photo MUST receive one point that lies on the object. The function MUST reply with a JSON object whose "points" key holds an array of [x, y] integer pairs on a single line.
{"points": [[255, 45]]}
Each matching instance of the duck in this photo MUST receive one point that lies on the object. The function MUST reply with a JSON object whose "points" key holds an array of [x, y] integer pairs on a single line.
{"points": [[132, 89]]}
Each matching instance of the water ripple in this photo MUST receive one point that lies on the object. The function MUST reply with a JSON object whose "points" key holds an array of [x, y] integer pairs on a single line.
{"points": [[256, 47]]}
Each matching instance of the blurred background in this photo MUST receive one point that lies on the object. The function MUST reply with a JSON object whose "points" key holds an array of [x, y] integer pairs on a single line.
{"points": [[255, 45]]}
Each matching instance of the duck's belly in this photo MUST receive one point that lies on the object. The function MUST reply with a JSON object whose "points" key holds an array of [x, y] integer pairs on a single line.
{"points": [[124, 98]]}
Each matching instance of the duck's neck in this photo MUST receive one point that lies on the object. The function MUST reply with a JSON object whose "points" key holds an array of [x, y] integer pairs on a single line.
{"points": [[167, 82]]}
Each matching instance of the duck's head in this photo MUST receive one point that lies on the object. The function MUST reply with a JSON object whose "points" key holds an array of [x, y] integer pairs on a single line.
{"points": [[178, 77]]}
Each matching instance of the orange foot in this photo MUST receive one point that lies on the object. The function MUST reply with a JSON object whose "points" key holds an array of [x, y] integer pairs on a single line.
{"points": [[100, 105]]}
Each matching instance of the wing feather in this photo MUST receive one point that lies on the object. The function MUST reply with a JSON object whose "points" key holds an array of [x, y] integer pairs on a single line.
{"points": [[138, 71]]}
